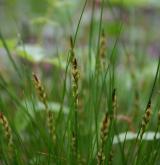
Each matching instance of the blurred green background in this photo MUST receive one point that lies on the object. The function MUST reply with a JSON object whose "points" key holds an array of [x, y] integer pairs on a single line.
{"points": [[49, 23], [38, 32]]}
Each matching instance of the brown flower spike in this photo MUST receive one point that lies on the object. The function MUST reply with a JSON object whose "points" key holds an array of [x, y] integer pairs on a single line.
{"points": [[100, 62], [103, 137], [43, 98], [146, 119], [7, 131], [75, 79]]}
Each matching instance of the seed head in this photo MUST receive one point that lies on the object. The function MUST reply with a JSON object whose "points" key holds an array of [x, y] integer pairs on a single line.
{"points": [[7, 131], [103, 137], [146, 119], [43, 98], [40, 89], [75, 79]]}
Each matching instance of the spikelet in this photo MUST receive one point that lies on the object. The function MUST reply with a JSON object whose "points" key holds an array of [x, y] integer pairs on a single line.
{"points": [[100, 157], [102, 46], [100, 62], [40, 90], [105, 126], [146, 119], [103, 137], [50, 125], [7, 131], [75, 76], [43, 98], [75, 79]]}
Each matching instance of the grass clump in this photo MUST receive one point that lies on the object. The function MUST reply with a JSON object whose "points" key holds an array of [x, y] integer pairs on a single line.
{"points": [[74, 106]]}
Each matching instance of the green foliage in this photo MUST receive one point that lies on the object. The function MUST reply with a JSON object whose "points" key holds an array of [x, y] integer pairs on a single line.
{"points": [[96, 112]]}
